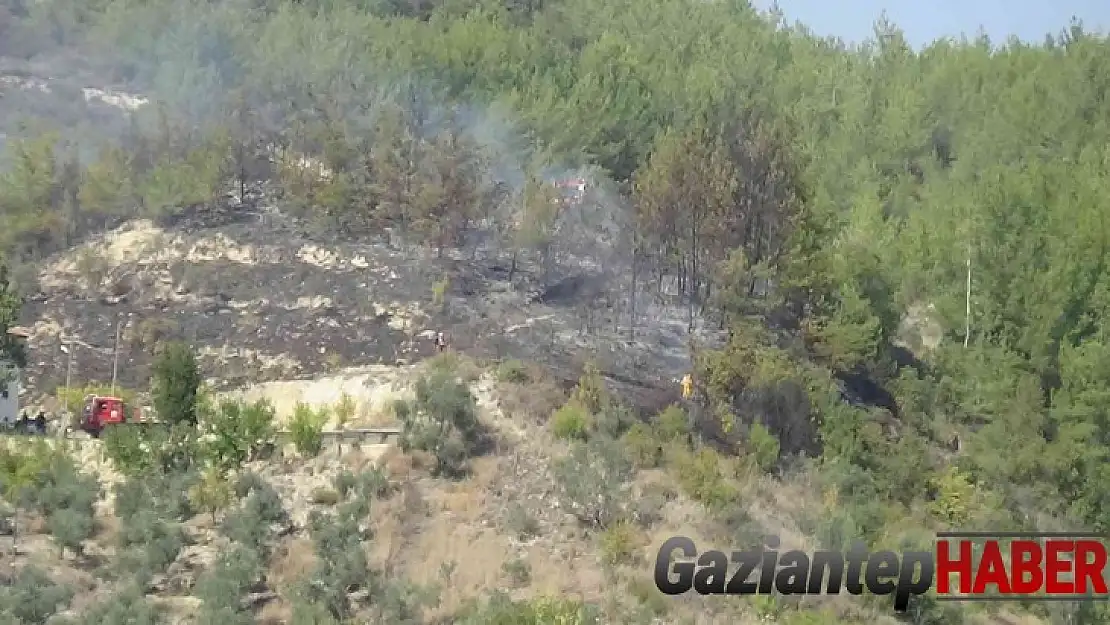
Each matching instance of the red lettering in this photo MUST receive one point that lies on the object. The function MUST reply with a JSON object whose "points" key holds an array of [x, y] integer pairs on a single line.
{"points": [[992, 570], [1090, 568], [1056, 563], [947, 566], [1025, 567]]}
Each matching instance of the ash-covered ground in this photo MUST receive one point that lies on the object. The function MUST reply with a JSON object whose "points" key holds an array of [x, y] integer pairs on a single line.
{"points": [[263, 299]]}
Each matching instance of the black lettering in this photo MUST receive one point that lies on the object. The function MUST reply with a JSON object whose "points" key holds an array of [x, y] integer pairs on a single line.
{"points": [[857, 555], [882, 569], [740, 583], [712, 573], [907, 585], [767, 572], [683, 571], [793, 573], [834, 563]]}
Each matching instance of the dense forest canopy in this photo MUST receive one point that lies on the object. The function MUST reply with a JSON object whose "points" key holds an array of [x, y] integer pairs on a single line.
{"points": [[926, 225]]}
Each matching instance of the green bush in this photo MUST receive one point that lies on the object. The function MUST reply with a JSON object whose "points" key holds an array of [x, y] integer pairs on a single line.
{"points": [[128, 450], [236, 432], [442, 419], [341, 563], [618, 543], [70, 529], [593, 480], [571, 422], [64, 496], [764, 447], [370, 483], [345, 409], [672, 424], [32, 597], [24, 467], [700, 476], [642, 447], [128, 606], [500, 609], [513, 372], [306, 428], [222, 588], [212, 493], [254, 523], [145, 451]]}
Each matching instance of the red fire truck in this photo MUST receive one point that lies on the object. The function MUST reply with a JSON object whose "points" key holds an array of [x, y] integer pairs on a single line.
{"points": [[100, 412]]}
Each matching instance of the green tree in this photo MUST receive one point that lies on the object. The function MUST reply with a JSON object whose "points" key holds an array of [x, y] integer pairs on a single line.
{"points": [[12, 349], [176, 379]]}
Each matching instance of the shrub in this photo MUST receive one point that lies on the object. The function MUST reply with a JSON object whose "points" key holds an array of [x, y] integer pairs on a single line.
{"points": [[345, 409], [165, 495], [64, 496], [148, 544], [764, 447], [518, 571], [306, 427], [248, 481], [145, 451], [252, 525], [370, 483], [127, 606], [513, 372], [571, 422], [593, 480], [325, 497], [439, 291], [128, 451], [642, 447], [699, 474], [32, 597], [70, 528], [442, 419], [500, 609], [150, 535], [590, 391], [619, 542], [955, 497], [341, 564], [21, 469], [644, 590], [613, 420], [520, 522], [672, 424], [222, 588], [236, 432], [212, 493]]}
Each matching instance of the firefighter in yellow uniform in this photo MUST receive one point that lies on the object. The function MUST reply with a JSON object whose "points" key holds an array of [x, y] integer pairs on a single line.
{"points": [[687, 386]]}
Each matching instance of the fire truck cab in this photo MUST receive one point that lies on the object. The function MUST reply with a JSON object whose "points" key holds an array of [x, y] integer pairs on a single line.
{"points": [[100, 412]]}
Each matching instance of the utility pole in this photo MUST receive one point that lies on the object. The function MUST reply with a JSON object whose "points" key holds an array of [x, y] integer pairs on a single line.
{"points": [[69, 369], [115, 352]]}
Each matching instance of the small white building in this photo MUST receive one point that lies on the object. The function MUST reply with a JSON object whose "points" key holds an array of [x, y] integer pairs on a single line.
{"points": [[10, 384]]}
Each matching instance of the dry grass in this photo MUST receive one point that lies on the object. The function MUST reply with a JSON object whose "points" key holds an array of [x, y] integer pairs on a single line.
{"points": [[277, 612], [293, 559], [532, 403]]}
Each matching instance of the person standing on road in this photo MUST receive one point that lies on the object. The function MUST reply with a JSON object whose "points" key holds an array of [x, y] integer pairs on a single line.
{"points": [[441, 342]]}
